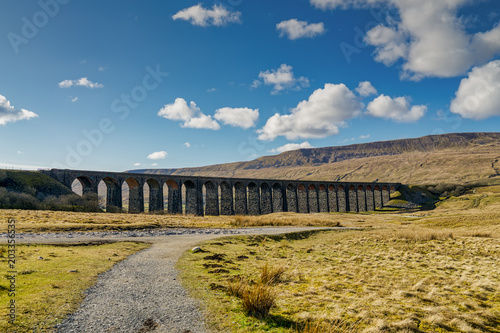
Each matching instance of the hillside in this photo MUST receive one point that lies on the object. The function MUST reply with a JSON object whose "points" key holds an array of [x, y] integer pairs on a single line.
{"points": [[448, 158]]}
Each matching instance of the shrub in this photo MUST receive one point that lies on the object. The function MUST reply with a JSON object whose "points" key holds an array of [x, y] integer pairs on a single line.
{"points": [[272, 275]]}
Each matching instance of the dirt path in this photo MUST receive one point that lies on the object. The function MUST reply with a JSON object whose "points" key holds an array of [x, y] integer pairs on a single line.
{"points": [[142, 293]]}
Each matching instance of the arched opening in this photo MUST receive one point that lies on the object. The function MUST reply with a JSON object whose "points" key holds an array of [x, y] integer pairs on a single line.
{"points": [[303, 206], [132, 196], [253, 199], [277, 198], [353, 199], [240, 199], [361, 199], [153, 196], [82, 185], [109, 195], [172, 197], [226, 199], [291, 198], [211, 202], [265, 199], [190, 201]]}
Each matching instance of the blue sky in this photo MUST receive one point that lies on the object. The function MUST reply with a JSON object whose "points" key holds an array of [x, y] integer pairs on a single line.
{"points": [[119, 85]]}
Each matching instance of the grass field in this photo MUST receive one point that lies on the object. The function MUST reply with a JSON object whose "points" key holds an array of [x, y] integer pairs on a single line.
{"points": [[424, 271], [50, 280]]}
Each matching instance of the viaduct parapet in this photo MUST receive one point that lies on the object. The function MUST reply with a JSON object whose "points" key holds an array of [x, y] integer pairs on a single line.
{"points": [[229, 196]]}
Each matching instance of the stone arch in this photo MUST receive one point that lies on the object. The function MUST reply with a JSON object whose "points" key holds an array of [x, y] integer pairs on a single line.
{"points": [[191, 199], [172, 201], [265, 199], [132, 196], [226, 199], [332, 199], [353, 199], [322, 199], [361, 199], [83, 185], [111, 193], [302, 204], [153, 196], [253, 199], [211, 206], [370, 199], [291, 198], [277, 198], [240, 198], [377, 194], [312, 195]]}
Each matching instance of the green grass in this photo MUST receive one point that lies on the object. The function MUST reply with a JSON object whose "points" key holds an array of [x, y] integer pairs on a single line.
{"points": [[374, 280], [48, 289]]}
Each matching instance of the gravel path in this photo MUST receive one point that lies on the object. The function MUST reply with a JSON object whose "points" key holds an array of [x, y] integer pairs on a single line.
{"points": [[142, 293]]}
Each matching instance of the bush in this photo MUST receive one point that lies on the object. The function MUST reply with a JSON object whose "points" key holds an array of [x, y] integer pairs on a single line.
{"points": [[14, 200]]}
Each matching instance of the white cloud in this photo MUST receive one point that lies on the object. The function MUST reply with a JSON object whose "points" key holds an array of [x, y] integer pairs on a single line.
{"points": [[365, 89], [238, 117], [478, 96], [211, 90], [158, 155], [291, 146], [190, 114], [82, 82], [362, 137], [397, 109], [187, 144], [321, 115], [281, 79], [218, 16], [74, 99], [102, 69], [427, 35], [154, 164], [137, 164], [20, 152], [10, 114], [295, 29], [202, 121]]}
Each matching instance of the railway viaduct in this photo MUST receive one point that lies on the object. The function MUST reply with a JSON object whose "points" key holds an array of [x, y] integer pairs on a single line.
{"points": [[229, 196]]}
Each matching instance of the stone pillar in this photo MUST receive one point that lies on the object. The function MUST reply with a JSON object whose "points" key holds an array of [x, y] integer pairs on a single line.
{"points": [[253, 199], [155, 196], [291, 198], [333, 205], [353, 199], [386, 197], [370, 203], [135, 196], [361, 199], [377, 194], [211, 199], [277, 198], [313, 199], [302, 202], [265, 199], [191, 205], [226, 199], [322, 199], [240, 199]]}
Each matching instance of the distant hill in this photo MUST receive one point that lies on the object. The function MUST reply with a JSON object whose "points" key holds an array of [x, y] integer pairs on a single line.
{"points": [[452, 158]]}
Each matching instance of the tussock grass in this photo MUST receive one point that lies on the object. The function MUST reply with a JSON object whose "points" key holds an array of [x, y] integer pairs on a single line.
{"points": [[258, 299], [272, 275]]}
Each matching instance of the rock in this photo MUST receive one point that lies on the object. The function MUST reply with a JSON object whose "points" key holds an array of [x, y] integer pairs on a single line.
{"points": [[73, 271], [196, 249], [41, 258]]}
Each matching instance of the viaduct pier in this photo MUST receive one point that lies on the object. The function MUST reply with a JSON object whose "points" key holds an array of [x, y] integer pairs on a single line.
{"points": [[228, 196]]}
